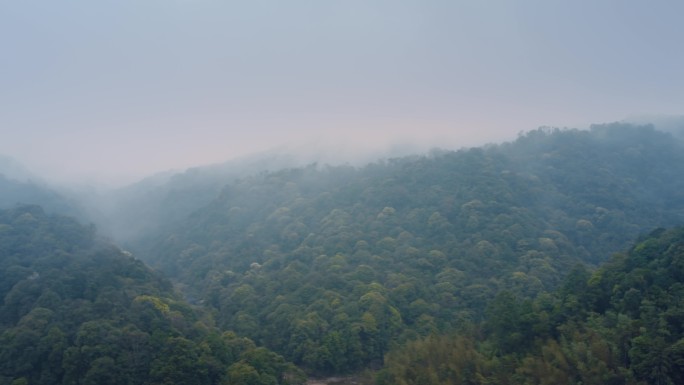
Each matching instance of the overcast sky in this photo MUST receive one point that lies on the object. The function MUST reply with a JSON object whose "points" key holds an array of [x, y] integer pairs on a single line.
{"points": [[124, 88]]}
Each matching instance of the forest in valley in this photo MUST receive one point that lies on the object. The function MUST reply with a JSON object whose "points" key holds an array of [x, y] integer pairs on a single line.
{"points": [[557, 258]]}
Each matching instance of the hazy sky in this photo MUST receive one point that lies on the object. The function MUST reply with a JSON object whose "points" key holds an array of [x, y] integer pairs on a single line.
{"points": [[114, 88]]}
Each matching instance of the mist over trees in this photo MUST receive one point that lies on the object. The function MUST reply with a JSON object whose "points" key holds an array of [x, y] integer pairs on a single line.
{"points": [[78, 310], [490, 264], [19, 186], [331, 266]]}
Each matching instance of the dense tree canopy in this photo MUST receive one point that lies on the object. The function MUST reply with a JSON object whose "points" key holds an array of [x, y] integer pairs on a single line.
{"points": [[77, 310], [331, 266], [622, 324], [483, 265]]}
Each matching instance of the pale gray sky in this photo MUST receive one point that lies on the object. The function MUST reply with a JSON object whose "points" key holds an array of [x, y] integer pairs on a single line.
{"points": [[123, 88]]}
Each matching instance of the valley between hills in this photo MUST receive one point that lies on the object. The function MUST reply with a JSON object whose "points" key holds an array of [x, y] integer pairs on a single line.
{"points": [[557, 258]]}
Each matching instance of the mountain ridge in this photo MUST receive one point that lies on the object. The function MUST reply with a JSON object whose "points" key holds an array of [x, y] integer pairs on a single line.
{"points": [[410, 246]]}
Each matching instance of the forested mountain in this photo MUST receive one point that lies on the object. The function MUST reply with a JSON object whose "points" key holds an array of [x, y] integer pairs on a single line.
{"points": [[469, 266], [621, 324], [334, 266], [19, 186], [77, 310], [155, 203]]}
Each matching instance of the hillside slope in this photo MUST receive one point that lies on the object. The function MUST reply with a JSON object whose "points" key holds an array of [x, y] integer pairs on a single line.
{"points": [[331, 266], [621, 324], [77, 310]]}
